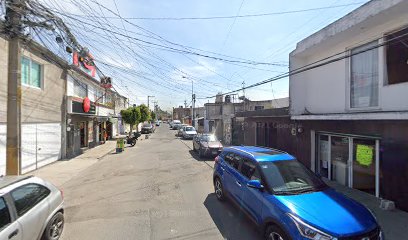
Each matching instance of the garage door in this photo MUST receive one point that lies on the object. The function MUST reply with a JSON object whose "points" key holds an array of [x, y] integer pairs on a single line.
{"points": [[40, 145], [3, 138]]}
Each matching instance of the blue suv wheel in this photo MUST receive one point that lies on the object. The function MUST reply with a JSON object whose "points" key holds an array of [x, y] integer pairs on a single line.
{"points": [[218, 189]]}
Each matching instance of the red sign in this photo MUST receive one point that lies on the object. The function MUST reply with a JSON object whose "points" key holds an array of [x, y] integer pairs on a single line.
{"points": [[85, 63], [86, 104]]}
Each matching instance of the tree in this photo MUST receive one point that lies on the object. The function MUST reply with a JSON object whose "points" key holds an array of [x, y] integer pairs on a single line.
{"points": [[153, 115], [131, 116], [144, 113]]}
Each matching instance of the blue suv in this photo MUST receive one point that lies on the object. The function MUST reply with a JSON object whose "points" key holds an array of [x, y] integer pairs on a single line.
{"points": [[286, 199]]}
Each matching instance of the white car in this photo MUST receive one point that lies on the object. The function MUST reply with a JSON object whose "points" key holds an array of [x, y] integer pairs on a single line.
{"points": [[189, 132], [30, 209], [174, 122]]}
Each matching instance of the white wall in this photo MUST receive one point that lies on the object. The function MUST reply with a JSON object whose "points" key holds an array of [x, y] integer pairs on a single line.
{"points": [[325, 89]]}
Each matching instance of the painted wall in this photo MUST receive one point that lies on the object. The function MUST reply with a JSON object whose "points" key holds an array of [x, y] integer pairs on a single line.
{"points": [[325, 89], [41, 113]]}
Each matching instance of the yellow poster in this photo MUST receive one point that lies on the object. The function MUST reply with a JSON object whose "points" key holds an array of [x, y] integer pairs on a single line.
{"points": [[364, 154]]}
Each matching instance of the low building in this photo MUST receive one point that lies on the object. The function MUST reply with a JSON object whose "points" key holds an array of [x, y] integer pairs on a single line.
{"points": [[220, 114], [91, 116], [42, 106], [354, 110]]}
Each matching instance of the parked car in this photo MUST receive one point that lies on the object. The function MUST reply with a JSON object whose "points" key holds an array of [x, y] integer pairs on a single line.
{"points": [[207, 145], [180, 129], [172, 123], [157, 123], [189, 132], [147, 128], [30, 208], [177, 126], [286, 199]]}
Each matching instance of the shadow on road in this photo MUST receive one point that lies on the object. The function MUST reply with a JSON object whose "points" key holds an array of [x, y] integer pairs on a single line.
{"points": [[230, 221], [197, 157]]}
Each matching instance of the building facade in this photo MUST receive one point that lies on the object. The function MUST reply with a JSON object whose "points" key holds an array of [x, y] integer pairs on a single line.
{"points": [[91, 114], [354, 110], [42, 106], [220, 115]]}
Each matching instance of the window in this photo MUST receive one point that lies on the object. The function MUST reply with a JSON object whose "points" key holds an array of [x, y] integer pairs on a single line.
{"points": [[229, 158], [259, 108], [249, 170], [236, 161], [364, 76], [4, 214], [30, 73], [233, 160], [397, 57], [27, 196], [80, 89]]}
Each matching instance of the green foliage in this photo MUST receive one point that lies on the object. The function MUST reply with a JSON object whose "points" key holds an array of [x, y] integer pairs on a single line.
{"points": [[153, 115], [131, 115], [144, 113]]}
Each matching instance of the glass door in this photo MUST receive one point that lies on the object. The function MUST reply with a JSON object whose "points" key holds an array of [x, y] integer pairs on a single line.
{"points": [[322, 164], [339, 159], [364, 165]]}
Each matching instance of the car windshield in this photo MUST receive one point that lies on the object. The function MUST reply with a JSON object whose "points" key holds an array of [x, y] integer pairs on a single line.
{"points": [[209, 138], [290, 177], [146, 125], [190, 129]]}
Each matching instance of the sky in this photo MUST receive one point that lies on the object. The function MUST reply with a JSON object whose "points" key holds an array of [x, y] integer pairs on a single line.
{"points": [[165, 57]]}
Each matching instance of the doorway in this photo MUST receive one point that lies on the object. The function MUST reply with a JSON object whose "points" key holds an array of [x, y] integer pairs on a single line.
{"points": [[349, 160], [82, 133]]}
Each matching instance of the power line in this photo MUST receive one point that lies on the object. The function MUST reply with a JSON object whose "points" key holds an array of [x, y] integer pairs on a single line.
{"points": [[314, 65], [172, 49], [228, 17]]}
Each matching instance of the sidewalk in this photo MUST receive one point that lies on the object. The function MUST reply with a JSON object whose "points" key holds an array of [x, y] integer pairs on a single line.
{"points": [[394, 223], [62, 171]]}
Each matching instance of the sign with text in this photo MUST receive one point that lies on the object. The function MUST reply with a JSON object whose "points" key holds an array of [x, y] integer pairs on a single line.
{"points": [[364, 155]]}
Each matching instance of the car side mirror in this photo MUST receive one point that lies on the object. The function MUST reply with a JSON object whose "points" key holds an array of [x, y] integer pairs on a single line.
{"points": [[255, 184]]}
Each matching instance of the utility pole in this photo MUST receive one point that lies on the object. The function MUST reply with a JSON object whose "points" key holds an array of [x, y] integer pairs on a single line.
{"points": [[243, 89], [192, 103], [148, 102], [13, 144]]}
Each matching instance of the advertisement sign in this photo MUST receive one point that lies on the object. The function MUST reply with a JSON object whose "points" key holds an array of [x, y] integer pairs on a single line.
{"points": [[364, 155], [84, 62], [83, 108]]}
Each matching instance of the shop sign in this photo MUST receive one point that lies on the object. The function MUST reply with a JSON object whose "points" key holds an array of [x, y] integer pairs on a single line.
{"points": [[364, 155], [84, 61], [84, 107]]}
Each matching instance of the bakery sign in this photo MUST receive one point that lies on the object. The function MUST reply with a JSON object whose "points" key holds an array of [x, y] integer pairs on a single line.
{"points": [[84, 106]]}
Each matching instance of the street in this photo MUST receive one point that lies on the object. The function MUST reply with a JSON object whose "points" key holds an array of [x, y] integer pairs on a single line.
{"points": [[158, 189]]}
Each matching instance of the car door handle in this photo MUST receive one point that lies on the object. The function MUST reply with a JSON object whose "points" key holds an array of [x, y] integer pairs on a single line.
{"points": [[238, 183], [13, 234]]}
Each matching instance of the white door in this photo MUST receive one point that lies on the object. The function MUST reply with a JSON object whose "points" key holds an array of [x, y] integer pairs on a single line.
{"points": [[3, 139], [40, 145], [48, 143]]}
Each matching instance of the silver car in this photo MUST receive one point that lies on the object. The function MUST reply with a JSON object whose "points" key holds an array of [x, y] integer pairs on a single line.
{"points": [[30, 209]]}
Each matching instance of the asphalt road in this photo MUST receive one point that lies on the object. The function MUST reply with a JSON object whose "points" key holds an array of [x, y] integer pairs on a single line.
{"points": [[158, 189]]}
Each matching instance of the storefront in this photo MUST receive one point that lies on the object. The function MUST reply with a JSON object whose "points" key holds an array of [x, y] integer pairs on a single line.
{"points": [[369, 155], [80, 126], [350, 160]]}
